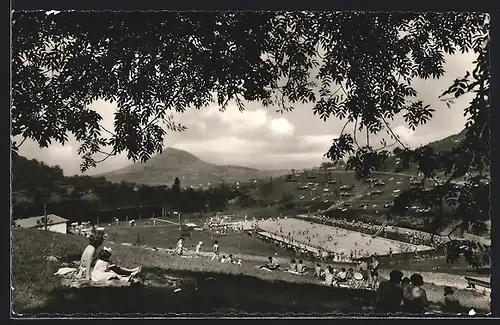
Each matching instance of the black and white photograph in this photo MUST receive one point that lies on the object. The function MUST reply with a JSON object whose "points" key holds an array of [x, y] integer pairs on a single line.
{"points": [[250, 164]]}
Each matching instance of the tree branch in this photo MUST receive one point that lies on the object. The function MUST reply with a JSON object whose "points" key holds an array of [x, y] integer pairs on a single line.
{"points": [[355, 131], [19, 145], [343, 128], [111, 133]]}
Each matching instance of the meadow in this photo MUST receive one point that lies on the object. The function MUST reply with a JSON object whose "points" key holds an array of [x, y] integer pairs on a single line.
{"points": [[206, 286]]}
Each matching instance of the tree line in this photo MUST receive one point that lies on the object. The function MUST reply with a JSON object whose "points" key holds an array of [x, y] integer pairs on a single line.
{"points": [[35, 184]]}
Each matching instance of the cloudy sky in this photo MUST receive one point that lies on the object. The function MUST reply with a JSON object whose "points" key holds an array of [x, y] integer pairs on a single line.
{"points": [[261, 138]]}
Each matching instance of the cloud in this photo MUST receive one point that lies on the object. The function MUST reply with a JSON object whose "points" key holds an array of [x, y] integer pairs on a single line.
{"points": [[281, 127], [405, 134]]}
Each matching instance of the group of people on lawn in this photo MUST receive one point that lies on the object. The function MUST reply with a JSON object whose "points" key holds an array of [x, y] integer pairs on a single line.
{"points": [[365, 274]]}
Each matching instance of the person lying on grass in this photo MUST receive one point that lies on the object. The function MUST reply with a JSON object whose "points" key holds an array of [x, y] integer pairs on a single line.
{"points": [[104, 270], [271, 265], [96, 238]]}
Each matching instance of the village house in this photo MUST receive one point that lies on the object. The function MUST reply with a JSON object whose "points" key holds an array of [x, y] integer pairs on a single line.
{"points": [[55, 223]]}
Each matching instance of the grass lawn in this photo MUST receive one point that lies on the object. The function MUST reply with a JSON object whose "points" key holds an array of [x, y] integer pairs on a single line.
{"points": [[206, 287], [209, 287]]}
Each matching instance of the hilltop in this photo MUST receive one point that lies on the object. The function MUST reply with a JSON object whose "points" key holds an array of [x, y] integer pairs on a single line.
{"points": [[191, 170]]}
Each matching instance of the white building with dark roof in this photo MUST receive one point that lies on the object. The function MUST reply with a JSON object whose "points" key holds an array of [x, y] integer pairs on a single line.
{"points": [[55, 223]]}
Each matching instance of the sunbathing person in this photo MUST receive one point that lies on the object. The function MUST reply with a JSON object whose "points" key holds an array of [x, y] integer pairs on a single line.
{"points": [[329, 276], [350, 273], [293, 266], [317, 270], [96, 238], [301, 268], [104, 270], [342, 275], [271, 265]]}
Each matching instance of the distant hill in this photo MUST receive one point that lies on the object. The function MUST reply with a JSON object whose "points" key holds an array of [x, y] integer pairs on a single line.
{"points": [[445, 144], [192, 171], [448, 143]]}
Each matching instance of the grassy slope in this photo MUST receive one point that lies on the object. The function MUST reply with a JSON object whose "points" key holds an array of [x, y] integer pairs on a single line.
{"points": [[207, 287], [237, 289], [281, 186], [163, 168]]}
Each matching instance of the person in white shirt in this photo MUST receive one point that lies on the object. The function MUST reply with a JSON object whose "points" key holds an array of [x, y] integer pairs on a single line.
{"points": [[215, 250], [301, 268], [329, 276], [198, 248], [342, 275], [104, 270]]}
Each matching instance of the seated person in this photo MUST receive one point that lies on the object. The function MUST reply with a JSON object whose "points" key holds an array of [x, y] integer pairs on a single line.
{"points": [[350, 273], [390, 293], [317, 270], [342, 275], [301, 268], [223, 259], [271, 265], [329, 276], [293, 266], [104, 270], [96, 238], [414, 296], [230, 258], [451, 303]]}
